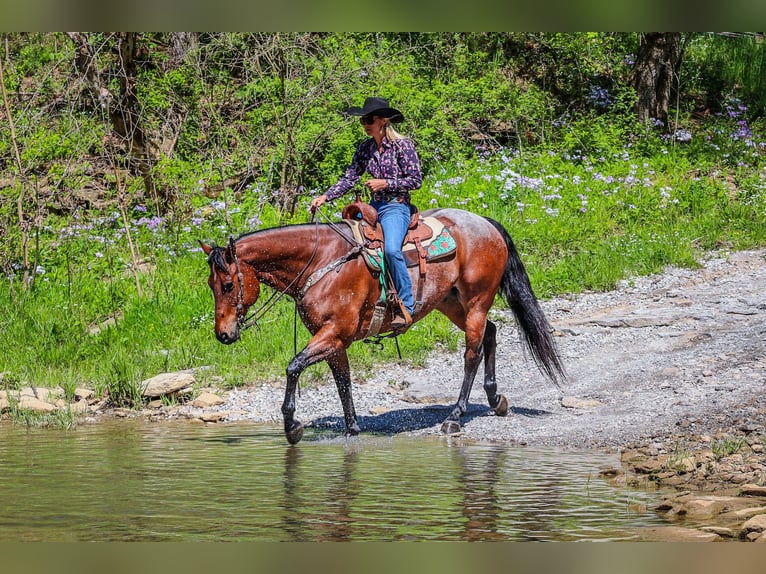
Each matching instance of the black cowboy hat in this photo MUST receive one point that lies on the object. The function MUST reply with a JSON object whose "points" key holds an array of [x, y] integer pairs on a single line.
{"points": [[377, 107]]}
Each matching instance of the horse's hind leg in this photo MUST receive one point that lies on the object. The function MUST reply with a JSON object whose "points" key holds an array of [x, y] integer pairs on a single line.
{"points": [[342, 374], [497, 401], [474, 335]]}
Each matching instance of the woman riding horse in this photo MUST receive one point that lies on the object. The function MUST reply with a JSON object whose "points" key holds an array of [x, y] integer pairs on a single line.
{"points": [[393, 163]]}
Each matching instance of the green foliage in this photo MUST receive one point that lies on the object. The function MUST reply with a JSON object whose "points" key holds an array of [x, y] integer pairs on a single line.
{"points": [[534, 130], [727, 446]]}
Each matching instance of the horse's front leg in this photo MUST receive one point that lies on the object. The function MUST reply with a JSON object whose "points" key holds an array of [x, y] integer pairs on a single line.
{"points": [[322, 346], [342, 374], [293, 427]]}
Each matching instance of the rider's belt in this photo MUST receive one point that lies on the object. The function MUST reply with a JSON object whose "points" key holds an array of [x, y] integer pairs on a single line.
{"points": [[389, 196]]}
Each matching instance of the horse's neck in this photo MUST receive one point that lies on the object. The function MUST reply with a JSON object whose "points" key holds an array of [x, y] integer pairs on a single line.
{"points": [[279, 255]]}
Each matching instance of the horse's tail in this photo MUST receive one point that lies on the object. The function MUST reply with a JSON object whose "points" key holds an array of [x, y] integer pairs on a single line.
{"points": [[533, 324]]}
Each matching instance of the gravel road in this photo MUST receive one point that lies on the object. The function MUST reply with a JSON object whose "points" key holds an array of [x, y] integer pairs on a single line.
{"points": [[679, 352]]}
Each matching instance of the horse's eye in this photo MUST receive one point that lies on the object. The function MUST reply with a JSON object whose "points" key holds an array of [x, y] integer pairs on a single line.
{"points": [[227, 287]]}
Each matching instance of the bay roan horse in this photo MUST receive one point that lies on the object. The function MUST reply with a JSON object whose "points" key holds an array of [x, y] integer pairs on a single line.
{"points": [[337, 306]]}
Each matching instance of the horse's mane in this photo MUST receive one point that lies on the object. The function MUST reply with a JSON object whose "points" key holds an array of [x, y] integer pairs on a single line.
{"points": [[279, 228], [217, 256], [336, 226]]}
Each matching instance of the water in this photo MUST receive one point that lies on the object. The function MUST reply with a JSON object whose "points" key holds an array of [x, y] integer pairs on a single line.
{"points": [[133, 481]]}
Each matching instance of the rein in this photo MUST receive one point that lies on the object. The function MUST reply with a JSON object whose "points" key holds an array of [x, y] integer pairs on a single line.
{"points": [[245, 322]]}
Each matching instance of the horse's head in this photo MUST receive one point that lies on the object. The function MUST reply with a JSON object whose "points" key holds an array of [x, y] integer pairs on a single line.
{"points": [[235, 289]]}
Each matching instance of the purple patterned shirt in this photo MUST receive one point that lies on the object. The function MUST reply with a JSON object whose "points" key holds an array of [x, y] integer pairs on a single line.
{"points": [[398, 164]]}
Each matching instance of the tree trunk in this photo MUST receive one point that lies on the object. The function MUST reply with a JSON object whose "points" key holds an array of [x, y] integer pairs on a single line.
{"points": [[123, 108], [653, 74]]}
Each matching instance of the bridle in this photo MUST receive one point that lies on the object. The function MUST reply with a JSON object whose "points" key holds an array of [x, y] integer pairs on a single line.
{"points": [[245, 322], [242, 321]]}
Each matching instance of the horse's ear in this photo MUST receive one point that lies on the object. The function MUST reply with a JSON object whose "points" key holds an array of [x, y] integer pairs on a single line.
{"points": [[205, 247]]}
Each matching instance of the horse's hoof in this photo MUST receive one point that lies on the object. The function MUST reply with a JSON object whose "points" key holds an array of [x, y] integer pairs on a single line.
{"points": [[295, 433], [450, 427], [502, 406]]}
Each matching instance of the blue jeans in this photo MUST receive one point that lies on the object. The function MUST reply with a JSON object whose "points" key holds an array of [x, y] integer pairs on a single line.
{"points": [[394, 217]]}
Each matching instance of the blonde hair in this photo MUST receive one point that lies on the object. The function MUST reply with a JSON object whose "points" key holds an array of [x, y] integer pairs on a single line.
{"points": [[391, 133]]}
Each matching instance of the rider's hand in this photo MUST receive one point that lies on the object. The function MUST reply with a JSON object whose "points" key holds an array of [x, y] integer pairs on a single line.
{"points": [[317, 202], [376, 185]]}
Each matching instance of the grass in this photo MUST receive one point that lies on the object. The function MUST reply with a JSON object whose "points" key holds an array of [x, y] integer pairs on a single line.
{"points": [[62, 419], [582, 220], [726, 446]]}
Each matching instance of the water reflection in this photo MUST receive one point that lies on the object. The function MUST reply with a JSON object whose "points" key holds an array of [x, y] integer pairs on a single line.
{"points": [[481, 507], [131, 481]]}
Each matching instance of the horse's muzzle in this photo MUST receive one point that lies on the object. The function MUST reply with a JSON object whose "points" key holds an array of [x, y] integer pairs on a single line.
{"points": [[228, 338]]}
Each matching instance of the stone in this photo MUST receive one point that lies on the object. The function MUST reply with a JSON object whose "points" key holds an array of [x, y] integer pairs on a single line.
{"points": [[79, 407], [80, 393], [423, 392], [705, 507], [576, 403], [213, 417], [686, 464], [4, 404], [752, 490], [206, 400], [755, 524], [43, 393], [647, 466], [676, 534], [166, 384], [35, 405], [721, 531], [747, 513]]}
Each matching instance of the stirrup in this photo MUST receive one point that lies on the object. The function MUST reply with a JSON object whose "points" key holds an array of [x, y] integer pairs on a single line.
{"points": [[402, 322]]}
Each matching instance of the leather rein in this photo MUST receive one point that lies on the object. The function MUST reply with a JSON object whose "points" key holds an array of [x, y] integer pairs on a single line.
{"points": [[245, 322]]}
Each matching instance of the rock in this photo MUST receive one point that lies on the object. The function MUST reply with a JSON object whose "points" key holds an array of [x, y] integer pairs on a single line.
{"points": [[575, 403], [684, 465], [676, 534], [43, 393], [4, 404], [705, 507], [647, 466], [423, 392], [745, 513], [96, 328], [213, 417], [79, 407], [752, 490], [721, 531], [35, 405], [166, 383], [206, 400], [756, 524], [80, 393], [611, 472]]}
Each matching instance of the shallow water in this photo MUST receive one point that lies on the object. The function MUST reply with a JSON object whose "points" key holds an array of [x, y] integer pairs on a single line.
{"points": [[133, 481]]}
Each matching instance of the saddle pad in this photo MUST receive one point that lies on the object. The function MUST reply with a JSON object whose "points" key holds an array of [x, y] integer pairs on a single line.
{"points": [[437, 247], [441, 244]]}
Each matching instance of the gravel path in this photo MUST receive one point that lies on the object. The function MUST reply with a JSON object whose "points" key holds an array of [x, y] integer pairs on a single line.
{"points": [[682, 351]]}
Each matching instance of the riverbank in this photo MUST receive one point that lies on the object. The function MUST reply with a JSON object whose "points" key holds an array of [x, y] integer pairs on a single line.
{"points": [[669, 370]]}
